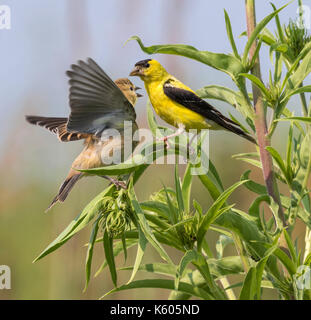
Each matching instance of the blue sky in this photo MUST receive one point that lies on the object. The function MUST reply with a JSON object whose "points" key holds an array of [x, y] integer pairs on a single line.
{"points": [[47, 36]]}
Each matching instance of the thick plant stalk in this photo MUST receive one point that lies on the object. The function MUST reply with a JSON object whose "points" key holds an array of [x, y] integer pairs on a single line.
{"points": [[260, 117]]}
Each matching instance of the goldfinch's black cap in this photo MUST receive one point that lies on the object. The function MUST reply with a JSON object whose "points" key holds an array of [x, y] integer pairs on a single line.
{"points": [[143, 63]]}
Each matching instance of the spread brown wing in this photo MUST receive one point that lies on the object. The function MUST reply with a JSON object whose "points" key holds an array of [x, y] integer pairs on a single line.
{"points": [[96, 102], [57, 126], [193, 102]]}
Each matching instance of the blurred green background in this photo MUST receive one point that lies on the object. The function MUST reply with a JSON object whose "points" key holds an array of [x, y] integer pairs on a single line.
{"points": [[45, 38]]}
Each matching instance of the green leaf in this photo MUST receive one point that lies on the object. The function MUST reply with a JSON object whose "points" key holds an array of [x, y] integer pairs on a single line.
{"points": [[258, 83], [186, 187], [230, 36], [303, 119], [223, 62], [249, 285], [214, 212], [255, 55], [238, 122], [225, 266], [252, 185], [276, 156], [188, 257], [304, 164], [278, 24], [179, 195], [123, 240], [218, 268], [221, 243], [213, 174], [289, 153], [172, 209], [260, 270], [130, 165], [153, 126], [290, 246], [297, 91], [141, 248], [287, 114], [210, 185], [283, 257], [203, 267], [293, 83], [280, 47], [117, 249], [89, 254], [164, 284], [259, 27], [80, 222], [258, 164], [158, 207], [156, 268], [144, 225], [304, 69], [108, 247]]}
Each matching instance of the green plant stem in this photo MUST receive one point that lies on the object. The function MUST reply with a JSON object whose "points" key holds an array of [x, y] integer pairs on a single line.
{"points": [[241, 252], [304, 103], [225, 283], [307, 243], [260, 116]]}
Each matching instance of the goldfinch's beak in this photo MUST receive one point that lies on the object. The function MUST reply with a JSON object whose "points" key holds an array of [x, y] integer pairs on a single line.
{"points": [[137, 71], [137, 88]]}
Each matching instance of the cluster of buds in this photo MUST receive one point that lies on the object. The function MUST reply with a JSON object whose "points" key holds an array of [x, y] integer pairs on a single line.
{"points": [[117, 212], [296, 38], [190, 229]]}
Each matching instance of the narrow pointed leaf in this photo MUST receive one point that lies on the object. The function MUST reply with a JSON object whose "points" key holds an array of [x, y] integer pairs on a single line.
{"points": [[108, 247], [249, 285], [89, 254], [141, 248], [230, 35]]}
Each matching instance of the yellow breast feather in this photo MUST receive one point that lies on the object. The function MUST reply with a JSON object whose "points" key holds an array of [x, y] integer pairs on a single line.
{"points": [[171, 111]]}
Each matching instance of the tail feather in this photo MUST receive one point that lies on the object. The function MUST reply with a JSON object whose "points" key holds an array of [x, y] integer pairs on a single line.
{"points": [[64, 189], [238, 131], [50, 123], [57, 126]]}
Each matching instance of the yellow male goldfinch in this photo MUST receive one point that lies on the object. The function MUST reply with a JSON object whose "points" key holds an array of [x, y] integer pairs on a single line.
{"points": [[97, 104], [179, 105]]}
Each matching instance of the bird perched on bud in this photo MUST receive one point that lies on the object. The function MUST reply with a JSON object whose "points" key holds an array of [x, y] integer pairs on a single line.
{"points": [[179, 105], [97, 105]]}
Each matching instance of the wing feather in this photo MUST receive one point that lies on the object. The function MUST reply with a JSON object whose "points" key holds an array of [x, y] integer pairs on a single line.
{"points": [[193, 102], [95, 100]]}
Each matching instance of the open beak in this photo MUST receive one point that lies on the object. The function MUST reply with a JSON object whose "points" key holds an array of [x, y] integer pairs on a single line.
{"points": [[138, 95], [136, 72], [137, 88]]}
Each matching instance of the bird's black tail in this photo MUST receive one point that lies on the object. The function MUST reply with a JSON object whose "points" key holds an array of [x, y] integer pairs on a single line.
{"points": [[225, 124], [65, 189], [242, 134]]}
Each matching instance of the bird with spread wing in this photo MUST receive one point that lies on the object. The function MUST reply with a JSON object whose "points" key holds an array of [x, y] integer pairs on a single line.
{"points": [[97, 104], [179, 105]]}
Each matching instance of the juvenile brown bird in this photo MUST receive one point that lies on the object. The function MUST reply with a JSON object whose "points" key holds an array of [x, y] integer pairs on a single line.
{"points": [[97, 105]]}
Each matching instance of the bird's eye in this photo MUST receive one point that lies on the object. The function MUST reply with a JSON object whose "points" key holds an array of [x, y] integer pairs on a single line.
{"points": [[131, 88]]}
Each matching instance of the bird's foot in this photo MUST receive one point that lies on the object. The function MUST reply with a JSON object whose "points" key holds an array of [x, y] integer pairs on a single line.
{"points": [[119, 184], [165, 140], [191, 150]]}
